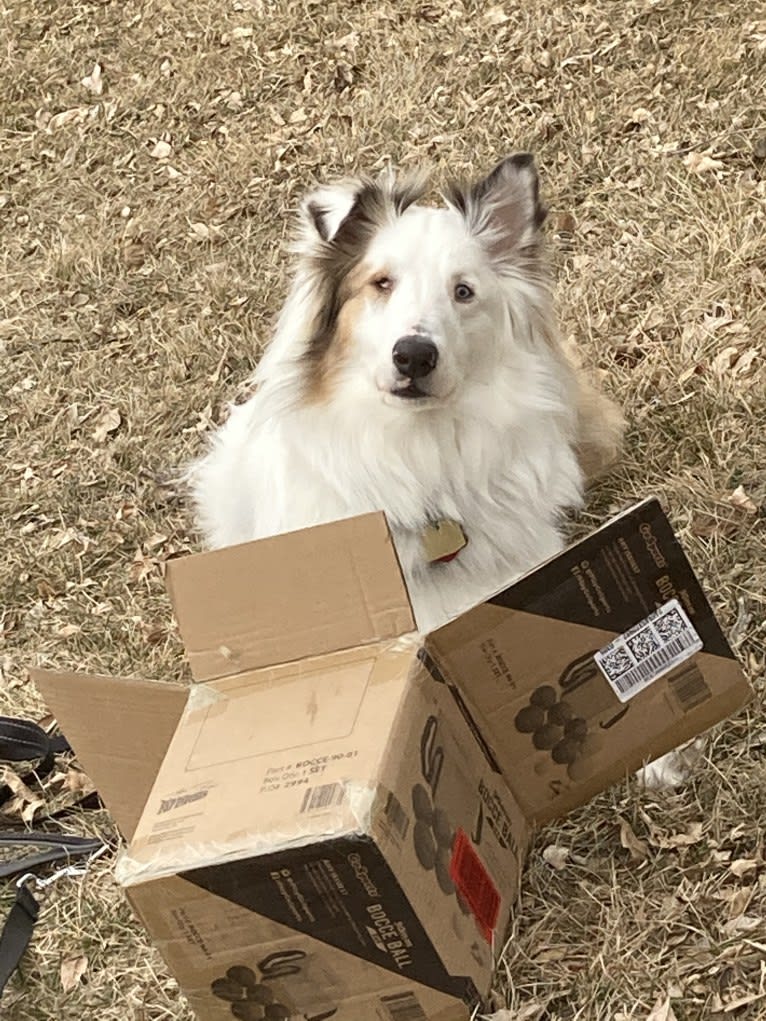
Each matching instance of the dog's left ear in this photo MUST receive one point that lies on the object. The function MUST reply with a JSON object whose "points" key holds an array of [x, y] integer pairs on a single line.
{"points": [[504, 209]]}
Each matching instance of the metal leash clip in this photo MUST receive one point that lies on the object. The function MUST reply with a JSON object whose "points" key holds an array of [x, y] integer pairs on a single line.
{"points": [[73, 871]]}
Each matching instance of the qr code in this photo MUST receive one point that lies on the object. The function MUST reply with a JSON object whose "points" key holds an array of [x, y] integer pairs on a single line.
{"points": [[615, 662], [649, 650], [644, 643], [670, 624]]}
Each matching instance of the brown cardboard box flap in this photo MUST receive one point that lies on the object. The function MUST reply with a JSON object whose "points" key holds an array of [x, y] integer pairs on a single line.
{"points": [[120, 729], [295, 595], [525, 664]]}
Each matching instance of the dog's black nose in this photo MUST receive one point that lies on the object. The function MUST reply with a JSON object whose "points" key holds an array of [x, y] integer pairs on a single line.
{"points": [[415, 357]]}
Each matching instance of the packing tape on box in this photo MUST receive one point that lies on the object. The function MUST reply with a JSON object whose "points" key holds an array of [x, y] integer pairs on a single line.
{"points": [[352, 817]]}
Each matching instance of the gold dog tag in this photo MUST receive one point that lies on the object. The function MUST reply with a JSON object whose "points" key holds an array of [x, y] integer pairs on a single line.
{"points": [[442, 541]]}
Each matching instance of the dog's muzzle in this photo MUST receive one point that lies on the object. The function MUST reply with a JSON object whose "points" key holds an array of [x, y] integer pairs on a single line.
{"points": [[414, 359]]}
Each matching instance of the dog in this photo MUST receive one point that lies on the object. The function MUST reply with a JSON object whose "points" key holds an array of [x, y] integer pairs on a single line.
{"points": [[416, 369]]}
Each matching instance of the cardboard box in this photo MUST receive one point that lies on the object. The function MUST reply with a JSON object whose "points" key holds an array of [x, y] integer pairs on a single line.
{"points": [[332, 821]]}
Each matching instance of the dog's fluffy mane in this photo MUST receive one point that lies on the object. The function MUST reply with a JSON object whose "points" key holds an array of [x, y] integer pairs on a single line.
{"points": [[302, 450]]}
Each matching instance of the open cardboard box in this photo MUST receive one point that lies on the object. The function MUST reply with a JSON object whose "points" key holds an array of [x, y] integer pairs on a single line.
{"points": [[332, 820]]}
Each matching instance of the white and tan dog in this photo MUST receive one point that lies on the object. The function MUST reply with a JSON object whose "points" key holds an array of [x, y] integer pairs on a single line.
{"points": [[416, 369]]}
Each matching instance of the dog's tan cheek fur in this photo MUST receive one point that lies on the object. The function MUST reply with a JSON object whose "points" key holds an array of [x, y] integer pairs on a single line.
{"points": [[325, 375]]}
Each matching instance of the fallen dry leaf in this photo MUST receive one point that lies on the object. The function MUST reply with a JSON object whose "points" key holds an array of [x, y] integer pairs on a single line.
{"points": [[106, 423], [638, 848], [25, 803], [72, 971], [94, 82], [706, 525], [234, 102], [742, 501], [662, 1011], [744, 365], [640, 115], [741, 1001], [725, 360], [556, 856], [701, 163], [161, 149], [67, 630], [11, 779], [668, 841], [67, 117], [30, 810], [240, 32], [739, 901], [205, 231], [743, 923], [142, 567], [742, 866], [495, 15], [78, 782]]}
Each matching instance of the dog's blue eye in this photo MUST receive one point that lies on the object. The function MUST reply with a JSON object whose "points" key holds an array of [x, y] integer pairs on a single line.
{"points": [[463, 292]]}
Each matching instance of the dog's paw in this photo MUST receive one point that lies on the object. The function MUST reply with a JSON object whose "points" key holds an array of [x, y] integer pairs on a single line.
{"points": [[674, 768]]}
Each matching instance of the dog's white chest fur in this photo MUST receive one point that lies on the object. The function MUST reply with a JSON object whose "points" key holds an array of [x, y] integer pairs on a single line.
{"points": [[505, 487]]}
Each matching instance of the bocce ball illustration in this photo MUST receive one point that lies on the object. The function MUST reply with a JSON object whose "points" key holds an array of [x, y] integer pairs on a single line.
{"points": [[433, 837], [250, 999], [552, 720]]}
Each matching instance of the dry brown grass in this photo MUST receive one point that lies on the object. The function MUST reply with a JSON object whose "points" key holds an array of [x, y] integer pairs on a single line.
{"points": [[142, 286]]}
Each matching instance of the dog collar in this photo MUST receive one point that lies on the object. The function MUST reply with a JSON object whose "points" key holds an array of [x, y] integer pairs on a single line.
{"points": [[442, 540]]}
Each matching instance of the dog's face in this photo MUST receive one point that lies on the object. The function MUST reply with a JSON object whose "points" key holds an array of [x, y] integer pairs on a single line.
{"points": [[412, 303], [423, 309]]}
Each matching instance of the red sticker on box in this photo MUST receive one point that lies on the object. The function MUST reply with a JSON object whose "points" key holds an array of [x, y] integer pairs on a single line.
{"points": [[474, 884]]}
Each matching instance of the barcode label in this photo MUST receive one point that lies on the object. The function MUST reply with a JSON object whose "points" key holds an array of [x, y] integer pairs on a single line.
{"points": [[689, 687], [396, 816], [403, 1007], [649, 650], [474, 883], [315, 799]]}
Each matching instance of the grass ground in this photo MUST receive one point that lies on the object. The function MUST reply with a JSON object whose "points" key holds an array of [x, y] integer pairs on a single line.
{"points": [[143, 216]]}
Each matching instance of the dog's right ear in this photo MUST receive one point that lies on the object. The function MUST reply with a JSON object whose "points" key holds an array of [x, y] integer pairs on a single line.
{"points": [[358, 205], [323, 211]]}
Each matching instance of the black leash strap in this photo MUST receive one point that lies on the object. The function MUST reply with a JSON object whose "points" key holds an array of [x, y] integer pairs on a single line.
{"points": [[20, 924], [17, 932], [57, 847], [25, 741]]}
